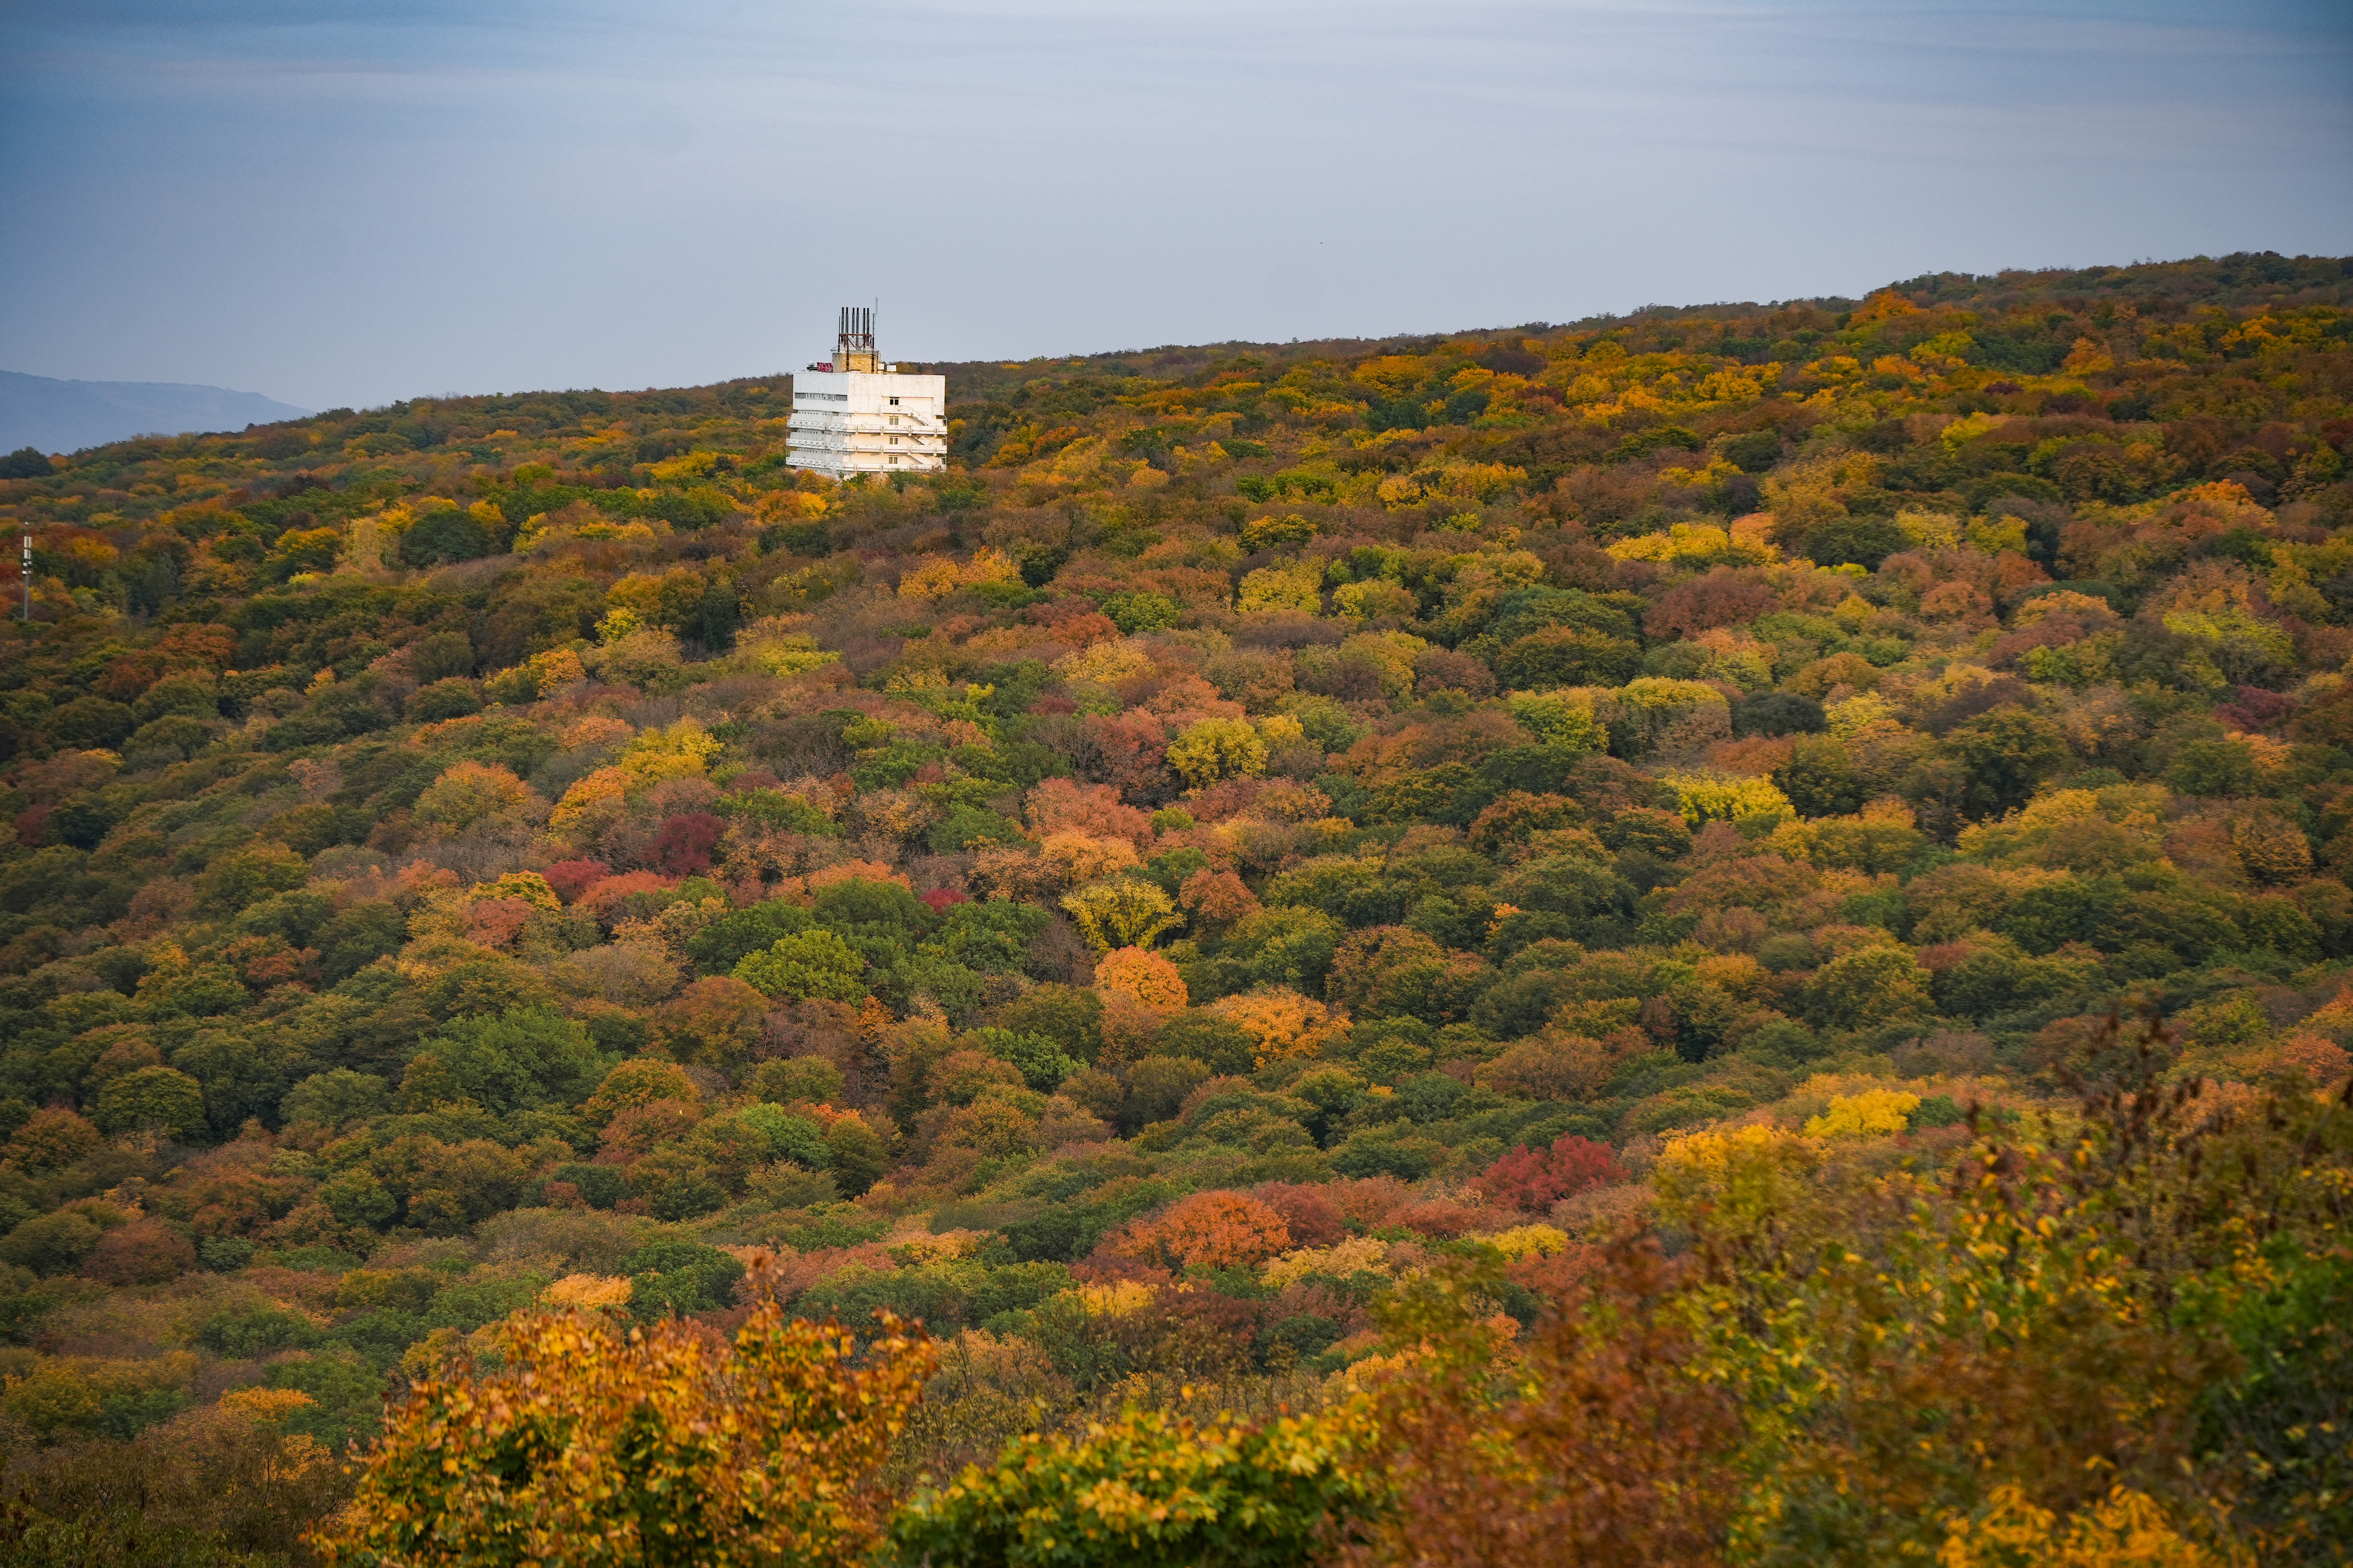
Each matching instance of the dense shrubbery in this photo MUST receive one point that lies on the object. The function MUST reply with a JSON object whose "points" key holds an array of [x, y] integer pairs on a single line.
{"points": [[1488, 949]]}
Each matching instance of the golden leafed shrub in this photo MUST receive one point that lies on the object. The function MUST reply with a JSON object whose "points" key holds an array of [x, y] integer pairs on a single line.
{"points": [[2124, 1529], [659, 1447], [1281, 1023]]}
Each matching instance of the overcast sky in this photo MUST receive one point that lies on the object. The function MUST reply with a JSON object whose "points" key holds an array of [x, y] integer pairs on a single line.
{"points": [[347, 202]]}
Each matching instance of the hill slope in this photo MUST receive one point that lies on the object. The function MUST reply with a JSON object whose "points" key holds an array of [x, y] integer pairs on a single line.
{"points": [[1662, 811], [68, 415]]}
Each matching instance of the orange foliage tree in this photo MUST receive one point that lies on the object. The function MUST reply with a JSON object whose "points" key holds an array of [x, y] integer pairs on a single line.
{"points": [[1209, 1230], [1141, 990]]}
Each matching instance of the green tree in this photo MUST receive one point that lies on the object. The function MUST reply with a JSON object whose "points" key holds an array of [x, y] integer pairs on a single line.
{"points": [[510, 1061], [1286, 945], [1870, 987], [356, 1198], [158, 1097], [1041, 1063], [1568, 655], [812, 1079], [332, 1099], [2007, 753], [358, 936], [856, 1155], [992, 935], [811, 965], [726, 942], [2213, 768], [676, 1275], [444, 535], [249, 875], [244, 1073], [52, 1243], [1068, 1016]]}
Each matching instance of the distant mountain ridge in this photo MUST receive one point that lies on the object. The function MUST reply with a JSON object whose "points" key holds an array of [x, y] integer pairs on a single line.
{"points": [[67, 416]]}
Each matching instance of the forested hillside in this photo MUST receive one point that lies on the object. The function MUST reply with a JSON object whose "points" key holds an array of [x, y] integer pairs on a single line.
{"points": [[1746, 903]]}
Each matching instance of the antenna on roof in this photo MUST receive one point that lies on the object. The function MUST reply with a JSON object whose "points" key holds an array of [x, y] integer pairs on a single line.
{"points": [[857, 330], [854, 342]]}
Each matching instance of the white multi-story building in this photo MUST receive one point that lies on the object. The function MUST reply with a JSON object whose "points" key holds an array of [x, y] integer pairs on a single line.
{"points": [[856, 416]]}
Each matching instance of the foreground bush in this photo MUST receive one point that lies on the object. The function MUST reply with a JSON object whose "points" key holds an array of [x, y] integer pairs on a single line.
{"points": [[1151, 1490], [658, 1447]]}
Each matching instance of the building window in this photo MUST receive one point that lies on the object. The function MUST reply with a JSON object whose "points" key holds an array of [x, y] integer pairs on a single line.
{"points": [[894, 403]]}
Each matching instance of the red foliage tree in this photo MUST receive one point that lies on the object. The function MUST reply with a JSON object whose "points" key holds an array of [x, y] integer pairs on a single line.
{"points": [[1535, 1179], [1724, 597], [144, 1252], [628, 896], [1306, 1212], [1130, 751], [686, 843], [570, 879]]}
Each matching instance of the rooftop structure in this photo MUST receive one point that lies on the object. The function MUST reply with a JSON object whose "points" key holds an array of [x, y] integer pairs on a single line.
{"points": [[854, 414]]}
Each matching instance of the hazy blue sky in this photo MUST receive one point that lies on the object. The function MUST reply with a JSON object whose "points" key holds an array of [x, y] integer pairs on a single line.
{"points": [[351, 201]]}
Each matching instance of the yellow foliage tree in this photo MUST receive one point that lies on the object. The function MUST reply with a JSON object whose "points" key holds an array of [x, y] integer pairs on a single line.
{"points": [[592, 1290], [2125, 1530], [1141, 993], [1563, 717], [1281, 1023], [1720, 797], [557, 667], [678, 751], [1080, 857], [471, 794], [1299, 586], [529, 886], [1217, 749], [590, 1448], [1105, 663], [1882, 837], [936, 577], [788, 506], [590, 802], [1125, 911], [1875, 1112]]}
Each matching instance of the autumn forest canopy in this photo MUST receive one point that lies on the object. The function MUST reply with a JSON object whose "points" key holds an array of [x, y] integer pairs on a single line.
{"points": [[1718, 936]]}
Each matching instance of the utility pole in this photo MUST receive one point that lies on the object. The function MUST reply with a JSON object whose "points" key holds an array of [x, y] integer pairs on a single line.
{"points": [[28, 577]]}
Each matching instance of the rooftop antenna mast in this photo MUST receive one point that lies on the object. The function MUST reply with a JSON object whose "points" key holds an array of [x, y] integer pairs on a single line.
{"points": [[854, 344]]}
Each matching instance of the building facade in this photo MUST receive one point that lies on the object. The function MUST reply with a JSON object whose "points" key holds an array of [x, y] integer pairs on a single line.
{"points": [[855, 414]]}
